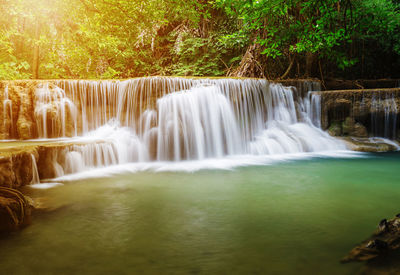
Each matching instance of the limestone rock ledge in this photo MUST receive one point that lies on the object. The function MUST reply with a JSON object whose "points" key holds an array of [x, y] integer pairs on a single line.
{"points": [[16, 168], [371, 145]]}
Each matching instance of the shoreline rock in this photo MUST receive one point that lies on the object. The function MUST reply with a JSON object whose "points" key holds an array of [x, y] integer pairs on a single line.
{"points": [[384, 241], [370, 145]]}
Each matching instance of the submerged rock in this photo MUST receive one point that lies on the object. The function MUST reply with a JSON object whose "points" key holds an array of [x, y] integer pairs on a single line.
{"points": [[385, 240], [15, 209]]}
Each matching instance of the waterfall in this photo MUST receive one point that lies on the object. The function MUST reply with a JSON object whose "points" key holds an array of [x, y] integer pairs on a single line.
{"points": [[159, 119], [196, 124], [384, 109], [313, 108], [7, 113], [53, 109], [35, 172]]}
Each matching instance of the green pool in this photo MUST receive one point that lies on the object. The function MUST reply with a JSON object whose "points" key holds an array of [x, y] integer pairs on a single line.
{"points": [[294, 217]]}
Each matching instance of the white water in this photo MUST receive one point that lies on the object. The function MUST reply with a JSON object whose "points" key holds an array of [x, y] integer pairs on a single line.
{"points": [[7, 113], [35, 172], [194, 122], [159, 120], [191, 166], [52, 109], [384, 103]]}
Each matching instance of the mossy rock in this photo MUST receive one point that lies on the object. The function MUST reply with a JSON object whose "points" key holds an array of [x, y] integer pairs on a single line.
{"points": [[335, 129], [348, 126]]}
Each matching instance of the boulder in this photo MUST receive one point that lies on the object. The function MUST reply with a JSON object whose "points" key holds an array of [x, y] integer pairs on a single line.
{"points": [[335, 129], [348, 126], [359, 130]]}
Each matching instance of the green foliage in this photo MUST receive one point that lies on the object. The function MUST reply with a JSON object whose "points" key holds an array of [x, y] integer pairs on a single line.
{"points": [[127, 38], [197, 56], [12, 70]]}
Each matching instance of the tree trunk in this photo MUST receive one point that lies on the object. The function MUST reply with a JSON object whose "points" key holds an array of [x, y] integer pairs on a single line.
{"points": [[286, 73], [310, 64], [35, 62]]}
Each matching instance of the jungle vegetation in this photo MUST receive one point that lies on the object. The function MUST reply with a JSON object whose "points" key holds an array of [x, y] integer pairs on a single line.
{"points": [[258, 38]]}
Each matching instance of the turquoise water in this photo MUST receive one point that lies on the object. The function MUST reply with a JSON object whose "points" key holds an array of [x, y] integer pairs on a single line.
{"points": [[297, 217]]}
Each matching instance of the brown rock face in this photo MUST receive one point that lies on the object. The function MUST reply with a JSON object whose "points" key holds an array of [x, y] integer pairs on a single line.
{"points": [[359, 131], [362, 112], [15, 209], [348, 126], [16, 169], [16, 110], [26, 127]]}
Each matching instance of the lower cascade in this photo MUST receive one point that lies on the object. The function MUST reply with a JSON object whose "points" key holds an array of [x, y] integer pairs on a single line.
{"points": [[176, 119]]}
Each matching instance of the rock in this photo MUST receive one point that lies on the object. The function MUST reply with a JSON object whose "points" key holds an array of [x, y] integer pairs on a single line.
{"points": [[359, 130], [369, 144], [15, 209], [348, 126], [385, 240], [383, 226], [26, 126], [16, 168], [335, 129]]}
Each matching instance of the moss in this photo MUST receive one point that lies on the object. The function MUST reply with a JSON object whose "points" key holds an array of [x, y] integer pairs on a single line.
{"points": [[335, 129]]}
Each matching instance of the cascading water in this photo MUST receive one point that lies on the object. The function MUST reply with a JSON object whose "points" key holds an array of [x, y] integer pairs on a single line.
{"points": [[196, 124], [7, 113], [313, 108], [384, 108], [52, 110], [177, 119], [35, 172]]}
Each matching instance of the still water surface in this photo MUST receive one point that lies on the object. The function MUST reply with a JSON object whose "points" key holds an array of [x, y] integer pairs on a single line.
{"points": [[296, 217]]}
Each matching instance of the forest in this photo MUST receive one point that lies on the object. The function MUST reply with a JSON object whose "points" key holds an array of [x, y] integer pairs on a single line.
{"points": [[273, 39]]}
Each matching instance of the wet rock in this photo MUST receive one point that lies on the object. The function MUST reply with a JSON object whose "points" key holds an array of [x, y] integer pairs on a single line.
{"points": [[15, 209], [348, 126], [26, 127], [378, 244], [17, 111], [361, 104], [369, 144], [385, 240], [335, 129], [16, 168], [344, 84], [383, 226], [359, 130]]}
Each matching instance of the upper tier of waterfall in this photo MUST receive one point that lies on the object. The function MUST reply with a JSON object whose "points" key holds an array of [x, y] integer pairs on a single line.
{"points": [[174, 119]]}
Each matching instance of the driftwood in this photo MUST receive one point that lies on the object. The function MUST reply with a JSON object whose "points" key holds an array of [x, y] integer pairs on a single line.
{"points": [[384, 241], [15, 209]]}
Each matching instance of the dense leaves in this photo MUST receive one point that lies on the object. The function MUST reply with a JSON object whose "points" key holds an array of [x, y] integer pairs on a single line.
{"points": [[128, 38]]}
